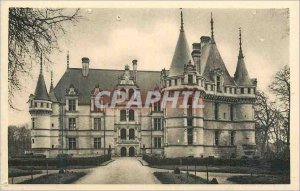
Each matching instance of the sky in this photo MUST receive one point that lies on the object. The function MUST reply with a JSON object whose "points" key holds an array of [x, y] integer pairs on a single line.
{"points": [[112, 38]]}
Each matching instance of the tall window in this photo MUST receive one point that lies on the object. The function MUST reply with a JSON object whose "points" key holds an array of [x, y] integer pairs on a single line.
{"points": [[231, 112], [218, 83], [212, 87], [190, 132], [216, 110], [190, 79], [123, 115], [123, 134], [157, 142], [72, 123], [97, 143], [217, 134], [72, 143], [232, 137], [175, 81], [97, 123], [42, 104], [131, 134], [33, 122], [72, 105], [190, 121], [157, 124], [230, 90], [130, 93], [131, 115], [156, 106], [170, 82]]}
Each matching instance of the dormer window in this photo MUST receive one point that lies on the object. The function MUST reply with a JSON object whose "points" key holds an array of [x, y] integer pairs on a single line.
{"points": [[190, 79]]}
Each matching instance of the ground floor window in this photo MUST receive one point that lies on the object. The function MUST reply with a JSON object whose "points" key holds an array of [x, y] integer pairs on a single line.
{"points": [[217, 135], [157, 142], [72, 143], [97, 143]]}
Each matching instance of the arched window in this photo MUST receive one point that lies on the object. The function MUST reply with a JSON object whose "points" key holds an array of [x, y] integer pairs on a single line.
{"points": [[131, 115], [131, 134], [123, 133], [130, 93], [123, 115]]}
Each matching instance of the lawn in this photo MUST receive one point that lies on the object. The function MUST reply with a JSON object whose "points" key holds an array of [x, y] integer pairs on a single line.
{"points": [[261, 179], [16, 172], [65, 178], [220, 169], [182, 178]]}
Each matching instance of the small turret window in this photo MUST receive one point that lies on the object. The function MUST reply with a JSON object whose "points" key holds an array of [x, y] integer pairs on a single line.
{"points": [[32, 141], [175, 82], [242, 90], [206, 86], [230, 90], [212, 87], [35, 104], [33, 122], [47, 105], [190, 79], [249, 90], [42, 104], [232, 137], [170, 82]]}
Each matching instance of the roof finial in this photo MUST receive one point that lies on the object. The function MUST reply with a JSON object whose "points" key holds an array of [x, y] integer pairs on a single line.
{"points": [[212, 27], [41, 67], [68, 60], [51, 85], [240, 51], [181, 24]]}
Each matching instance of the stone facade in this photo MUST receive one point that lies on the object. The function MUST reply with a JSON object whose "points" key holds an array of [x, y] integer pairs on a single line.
{"points": [[67, 121]]}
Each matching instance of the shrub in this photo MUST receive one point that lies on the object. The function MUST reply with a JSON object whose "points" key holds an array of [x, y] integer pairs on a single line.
{"points": [[177, 170], [214, 181]]}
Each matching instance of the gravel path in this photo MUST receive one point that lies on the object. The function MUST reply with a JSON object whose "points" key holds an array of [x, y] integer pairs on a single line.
{"points": [[123, 170]]}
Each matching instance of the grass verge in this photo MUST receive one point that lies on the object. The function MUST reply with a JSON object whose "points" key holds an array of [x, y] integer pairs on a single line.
{"points": [[260, 179], [183, 178], [65, 178], [16, 172]]}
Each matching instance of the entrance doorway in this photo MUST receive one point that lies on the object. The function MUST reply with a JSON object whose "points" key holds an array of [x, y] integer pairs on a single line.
{"points": [[123, 152], [131, 151]]}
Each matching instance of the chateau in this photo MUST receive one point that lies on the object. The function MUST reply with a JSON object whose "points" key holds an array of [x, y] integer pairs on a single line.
{"points": [[65, 119]]}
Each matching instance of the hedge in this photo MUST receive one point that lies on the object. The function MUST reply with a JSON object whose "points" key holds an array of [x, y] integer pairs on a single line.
{"points": [[154, 160], [60, 161]]}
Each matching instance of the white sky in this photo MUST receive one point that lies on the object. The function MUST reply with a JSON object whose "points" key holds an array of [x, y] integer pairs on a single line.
{"points": [[150, 36]]}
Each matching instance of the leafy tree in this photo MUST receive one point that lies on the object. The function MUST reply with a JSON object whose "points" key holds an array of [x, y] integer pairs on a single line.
{"points": [[33, 33]]}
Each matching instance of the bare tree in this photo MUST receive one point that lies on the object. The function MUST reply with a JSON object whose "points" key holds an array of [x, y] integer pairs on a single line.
{"points": [[281, 88], [266, 117], [33, 33]]}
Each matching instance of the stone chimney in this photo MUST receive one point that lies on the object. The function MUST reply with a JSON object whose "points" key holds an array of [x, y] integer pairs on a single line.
{"points": [[196, 53], [85, 66], [134, 69]]}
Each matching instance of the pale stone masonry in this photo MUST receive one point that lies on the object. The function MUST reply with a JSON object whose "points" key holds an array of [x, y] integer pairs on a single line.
{"points": [[65, 120]]}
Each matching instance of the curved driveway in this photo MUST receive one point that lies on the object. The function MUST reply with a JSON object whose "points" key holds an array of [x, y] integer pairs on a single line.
{"points": [[123, 170]]}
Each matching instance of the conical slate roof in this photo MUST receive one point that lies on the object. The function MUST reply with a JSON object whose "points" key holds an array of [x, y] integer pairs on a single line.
{"points": [[182, 54], [213, 61], [41, 89], [241, 76]]}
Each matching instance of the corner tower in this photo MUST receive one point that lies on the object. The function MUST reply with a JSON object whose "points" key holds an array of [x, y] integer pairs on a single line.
{"points": [[183, 123], [40, 109]]}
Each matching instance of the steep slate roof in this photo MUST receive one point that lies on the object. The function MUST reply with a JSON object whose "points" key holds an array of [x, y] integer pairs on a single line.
{"points": [[211, 60], [106, 79], [182, 54], [41, 90]]}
